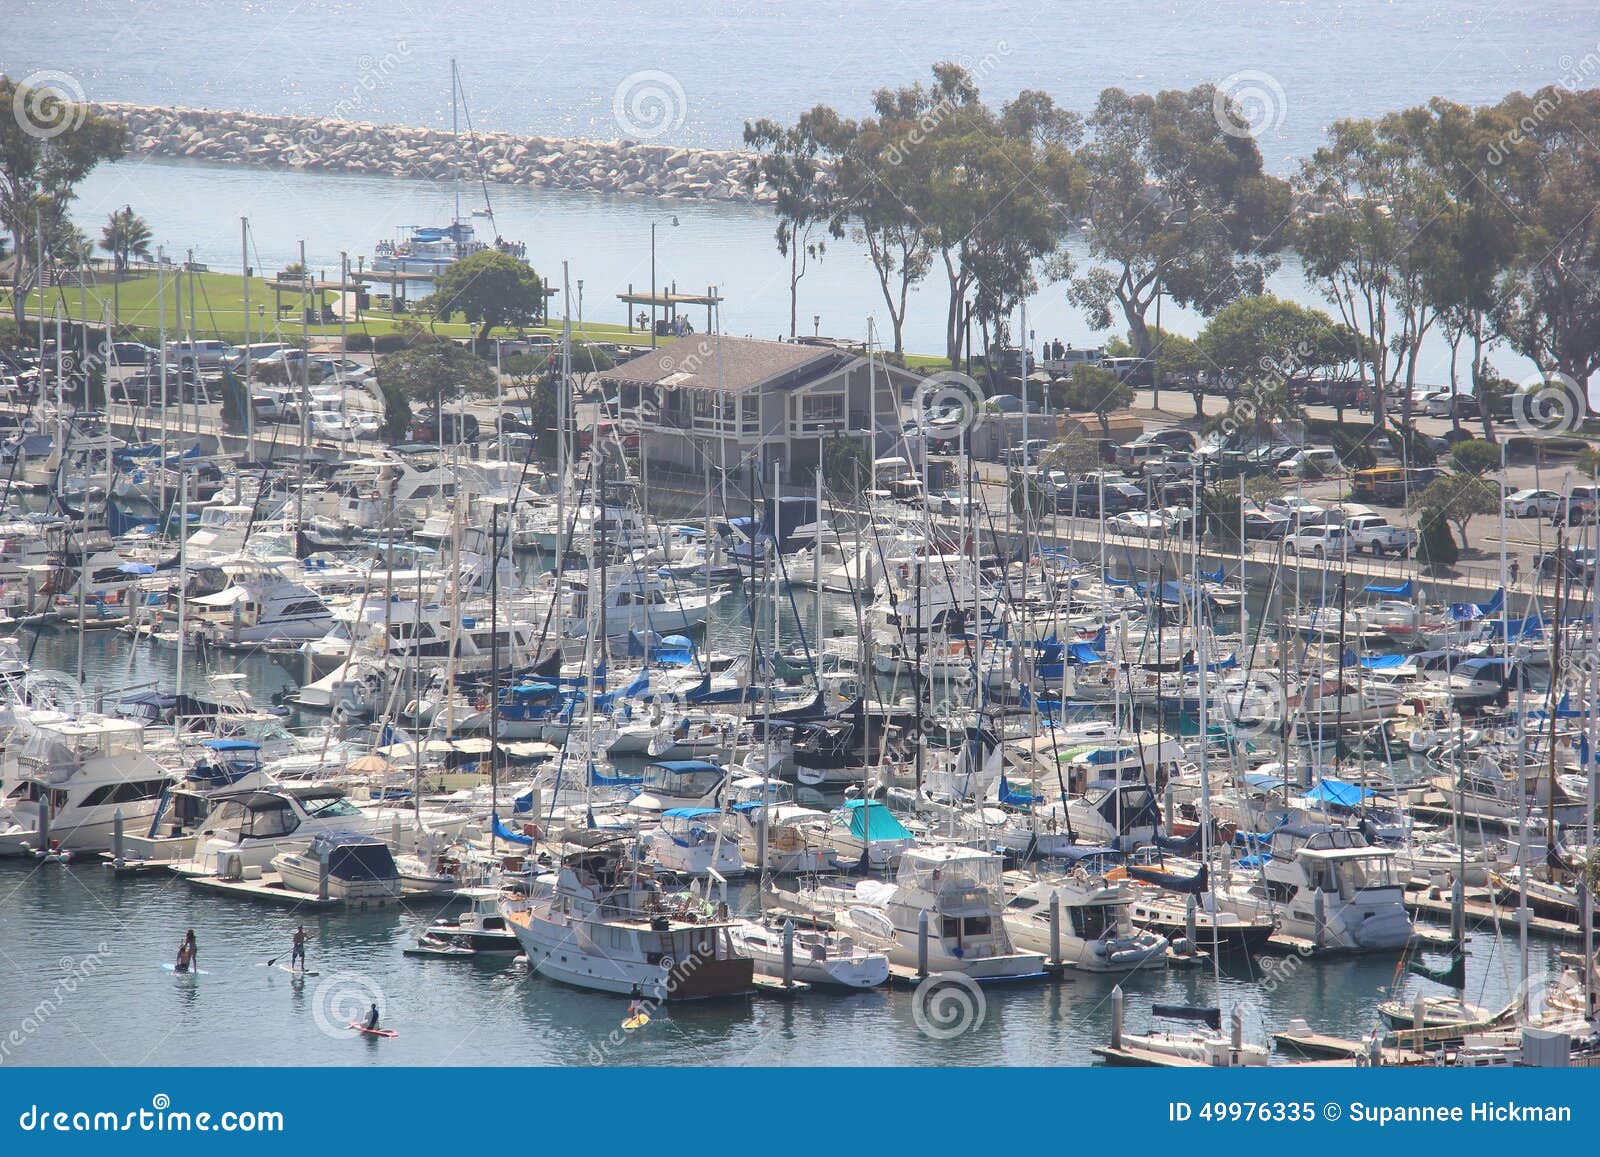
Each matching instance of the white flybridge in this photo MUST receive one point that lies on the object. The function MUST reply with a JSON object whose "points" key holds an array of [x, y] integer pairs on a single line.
{"points": [[72, 777]]}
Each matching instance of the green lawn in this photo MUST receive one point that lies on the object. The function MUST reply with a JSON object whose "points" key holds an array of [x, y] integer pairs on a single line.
{"points": [[219, 310]]}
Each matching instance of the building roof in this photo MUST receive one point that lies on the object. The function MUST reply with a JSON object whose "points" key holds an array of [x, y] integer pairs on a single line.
{"points": [[705, 361]]}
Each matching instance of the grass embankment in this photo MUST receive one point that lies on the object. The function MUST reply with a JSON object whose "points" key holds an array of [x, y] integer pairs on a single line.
{"points": [[219, 310]]}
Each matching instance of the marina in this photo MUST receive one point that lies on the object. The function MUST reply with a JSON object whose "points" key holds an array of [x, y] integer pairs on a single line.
{"points": [[399, 668]]}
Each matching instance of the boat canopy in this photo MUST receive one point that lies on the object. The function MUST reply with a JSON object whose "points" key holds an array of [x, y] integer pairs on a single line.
{"points": [[231, 744], [1084, 653], [689, 813], [871, 820], [353, 856], [1382, 662]]}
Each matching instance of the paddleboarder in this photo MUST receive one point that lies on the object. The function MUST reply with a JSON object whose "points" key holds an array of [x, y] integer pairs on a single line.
{"points": [[298, 953], [187, 951], [372, 1018]]}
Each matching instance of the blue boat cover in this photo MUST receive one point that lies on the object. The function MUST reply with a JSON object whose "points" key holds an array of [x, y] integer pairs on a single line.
{"points": [[1338, 792], [1084, 653], [1381, 662], [1403, 590], [871, 820], [689, 813], [508, 835]]}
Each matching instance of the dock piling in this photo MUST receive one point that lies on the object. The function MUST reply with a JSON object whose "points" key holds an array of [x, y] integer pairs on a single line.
{"points": [[922, 943], [1116, 1017], [116, 838], [1055, 928], [788, 953]]}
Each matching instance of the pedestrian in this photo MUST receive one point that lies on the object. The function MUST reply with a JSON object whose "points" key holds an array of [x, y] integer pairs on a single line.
{"points": [[1514, 570]]}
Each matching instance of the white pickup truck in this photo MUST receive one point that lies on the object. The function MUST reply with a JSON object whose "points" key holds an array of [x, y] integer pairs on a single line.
{"points": [[1373, 532]]}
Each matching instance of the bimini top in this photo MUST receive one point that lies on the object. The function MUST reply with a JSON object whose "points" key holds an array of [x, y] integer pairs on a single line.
{"points": [[689, 813], [683, 765]]}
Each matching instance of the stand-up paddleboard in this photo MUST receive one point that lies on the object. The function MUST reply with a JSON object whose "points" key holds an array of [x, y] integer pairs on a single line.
{"points": [[187, 972], [637, 1020], [297, 971], [365, 1031]]}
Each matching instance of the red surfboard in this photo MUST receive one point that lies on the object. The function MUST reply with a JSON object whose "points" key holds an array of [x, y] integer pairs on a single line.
{"points": [[365, 1031]]}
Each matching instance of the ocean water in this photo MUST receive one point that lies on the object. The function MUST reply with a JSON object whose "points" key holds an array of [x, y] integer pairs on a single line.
{"points": [[692, 75]]}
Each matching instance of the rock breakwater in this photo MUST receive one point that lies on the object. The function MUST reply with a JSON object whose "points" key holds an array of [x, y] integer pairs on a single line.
{"points": [[323, 145]]}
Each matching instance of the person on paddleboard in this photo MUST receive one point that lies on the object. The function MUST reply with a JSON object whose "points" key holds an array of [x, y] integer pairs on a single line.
{"points": [[187, 951], [372, 1018], [636, 1003], [298, 953]]}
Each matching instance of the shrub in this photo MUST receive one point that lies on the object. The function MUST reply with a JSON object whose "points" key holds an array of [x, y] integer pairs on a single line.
{"points": [[358, 342], [1436, 546], [388, 343]]}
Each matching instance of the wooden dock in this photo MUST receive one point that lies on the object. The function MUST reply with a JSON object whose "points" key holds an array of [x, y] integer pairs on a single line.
{"points": [[1320, 1046], [1482, 912], [1125, 1057], [269, 887]]}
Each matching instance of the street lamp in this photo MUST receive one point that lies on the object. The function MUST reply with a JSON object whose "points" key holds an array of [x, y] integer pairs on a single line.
{"points": [[580, 305], [672, 221]]}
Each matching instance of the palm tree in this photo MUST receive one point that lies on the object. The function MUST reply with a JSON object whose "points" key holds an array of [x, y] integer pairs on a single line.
{"points": [[125, 237]]}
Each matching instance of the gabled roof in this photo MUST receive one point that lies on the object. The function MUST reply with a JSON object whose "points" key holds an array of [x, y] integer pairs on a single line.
{"points": [[734, 364]]}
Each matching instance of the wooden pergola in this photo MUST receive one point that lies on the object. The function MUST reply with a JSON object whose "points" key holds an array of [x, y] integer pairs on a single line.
{"points": [[670, 300]]}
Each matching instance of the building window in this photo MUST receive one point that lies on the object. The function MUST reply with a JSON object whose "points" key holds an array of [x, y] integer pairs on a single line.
{"points": [[821, 408]]}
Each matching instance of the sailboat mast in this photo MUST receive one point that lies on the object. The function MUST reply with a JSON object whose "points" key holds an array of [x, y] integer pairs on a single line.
{"points": [[455, 135]]}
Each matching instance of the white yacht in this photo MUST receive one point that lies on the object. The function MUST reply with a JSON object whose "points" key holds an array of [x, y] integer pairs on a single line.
{"points": [[816, 957], [953, 893], [246, 830], [83, 771], [1094, 932], [1325, 885], [359, 868], [604, 923], [261, 604], [693, 841]]}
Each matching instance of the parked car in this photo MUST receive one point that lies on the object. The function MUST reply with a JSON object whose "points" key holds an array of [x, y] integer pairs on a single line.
{"points": [[1135, 455], [1532, 504], [1577, 563], [1312, 462], [201, 354], [1264, 524], [1443, 405], [257, 352], [1173, 439], [1374, 533], [1026, 453], [1122, 496], [1317, 541], [1138, 524], [1299, 512], [131, 355]]}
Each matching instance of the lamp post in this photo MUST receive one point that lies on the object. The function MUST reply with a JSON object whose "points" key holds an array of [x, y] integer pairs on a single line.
{"points": [[672, 221], [580, 305]]}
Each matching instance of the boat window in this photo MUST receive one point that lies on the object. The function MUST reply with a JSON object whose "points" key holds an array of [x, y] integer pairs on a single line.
{"points": [[331, 807], [278, 821], [1023, 904], [975, 926]]}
